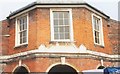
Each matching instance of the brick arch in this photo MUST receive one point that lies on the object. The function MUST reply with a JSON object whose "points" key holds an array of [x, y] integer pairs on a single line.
{"points": [[58, 67], [21, 69], [101, 67]]}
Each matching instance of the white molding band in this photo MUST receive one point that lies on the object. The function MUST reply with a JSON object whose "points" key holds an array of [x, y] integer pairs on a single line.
{"points": [[70, 51]]}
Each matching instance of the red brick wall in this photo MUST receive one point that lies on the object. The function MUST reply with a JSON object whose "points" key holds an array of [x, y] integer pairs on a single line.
{"points": [[39, 33], [4, 39], [83, 31], [43, 26], [113, 28], [32, 36], [39, 30], [44, 64]]}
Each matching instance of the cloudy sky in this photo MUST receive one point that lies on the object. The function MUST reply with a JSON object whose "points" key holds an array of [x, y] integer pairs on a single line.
{"points": [[109, 7]]}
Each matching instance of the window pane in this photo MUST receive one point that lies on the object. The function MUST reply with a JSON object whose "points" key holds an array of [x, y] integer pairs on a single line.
{"points": [[56, 36], [25, 26], [20, 40], [61, 22], [20, 21], [21, 35], [66, 14], [24, 23], [66, 22], [95, 34], [61, 36], [55, 22], [67, 29], [67, 36], [24, 33], [61, 25], [94, 22], [95, 26], [97, 29], [97, 37], [55, 15], [22, 29], [98, 25], [60, 15], [96, 40], [61, 29], [56, 29], [20, 24], [24, 39]]}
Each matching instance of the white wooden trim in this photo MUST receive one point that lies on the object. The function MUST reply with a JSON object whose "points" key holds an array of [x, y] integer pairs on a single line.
{"points": [[16, 31], [23, 12], [14, 68], [20, 63], [16, 42], [101, 30], [52, 25], [27, 27], [71, 26], [102, 63], [102, 34], [24, 65]]}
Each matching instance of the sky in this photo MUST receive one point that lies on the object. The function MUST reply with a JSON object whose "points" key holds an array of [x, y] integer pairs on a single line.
{"points": [[109, 7]]}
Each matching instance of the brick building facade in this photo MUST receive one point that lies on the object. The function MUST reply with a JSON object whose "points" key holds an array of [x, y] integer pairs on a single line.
{"points": [[3, 40], [58, 37], [114, 35]]}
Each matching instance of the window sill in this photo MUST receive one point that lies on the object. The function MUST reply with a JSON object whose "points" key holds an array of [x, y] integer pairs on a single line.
{"points": [[99, 45], [21, 45], [62, 41]]}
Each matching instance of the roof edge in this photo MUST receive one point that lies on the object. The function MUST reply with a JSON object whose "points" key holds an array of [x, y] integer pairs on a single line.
{"points": [[36, 3]]}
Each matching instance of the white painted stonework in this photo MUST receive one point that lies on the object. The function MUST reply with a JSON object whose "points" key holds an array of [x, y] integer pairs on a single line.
{"points": [[62, 49]]}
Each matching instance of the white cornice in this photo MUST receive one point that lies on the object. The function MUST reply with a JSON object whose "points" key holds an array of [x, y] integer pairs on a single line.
{"points": [[70, 51], [58, 6]]}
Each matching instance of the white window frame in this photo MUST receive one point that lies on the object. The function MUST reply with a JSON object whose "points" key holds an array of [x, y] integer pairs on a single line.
{"points": [[52, 25], [17, 39], [101, 37]]}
